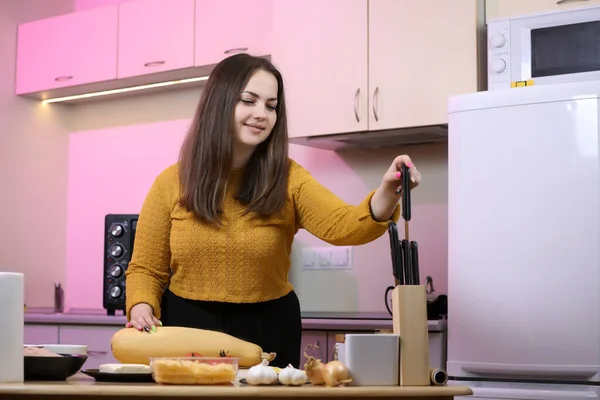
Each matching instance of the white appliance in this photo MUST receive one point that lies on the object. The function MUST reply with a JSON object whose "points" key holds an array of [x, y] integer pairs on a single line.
{"points": [[544, 48], [523, 251]]}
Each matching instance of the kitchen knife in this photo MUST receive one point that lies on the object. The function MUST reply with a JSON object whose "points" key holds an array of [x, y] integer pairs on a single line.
{"points": [[406, 262], [406, 211], [414, 253], [396, 254]]}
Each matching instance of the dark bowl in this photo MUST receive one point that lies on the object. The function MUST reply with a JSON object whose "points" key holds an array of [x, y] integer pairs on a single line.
{"points": [[53, 368]]}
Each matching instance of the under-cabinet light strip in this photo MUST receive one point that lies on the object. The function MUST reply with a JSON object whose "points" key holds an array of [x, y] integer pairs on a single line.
{"points": [[123, 90]]}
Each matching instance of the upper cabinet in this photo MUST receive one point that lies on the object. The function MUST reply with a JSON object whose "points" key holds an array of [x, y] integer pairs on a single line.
{"points": [[136, 43], [68, 50], [368, 65], [227, 27], [418, 58], [510, 8], [155, 36], [321, 49]]}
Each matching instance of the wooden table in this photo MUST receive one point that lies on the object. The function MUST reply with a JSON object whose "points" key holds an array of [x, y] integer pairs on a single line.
{"points": [[83, 387]]}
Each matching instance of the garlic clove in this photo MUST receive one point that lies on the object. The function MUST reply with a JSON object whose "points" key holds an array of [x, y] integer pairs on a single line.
{"points": [[261, 374]]}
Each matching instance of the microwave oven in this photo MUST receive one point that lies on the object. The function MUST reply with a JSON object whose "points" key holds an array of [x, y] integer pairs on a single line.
{"points": [[544, 48]]}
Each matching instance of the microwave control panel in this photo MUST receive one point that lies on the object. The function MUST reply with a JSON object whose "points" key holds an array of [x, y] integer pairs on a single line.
{"points": [[498, 48]]}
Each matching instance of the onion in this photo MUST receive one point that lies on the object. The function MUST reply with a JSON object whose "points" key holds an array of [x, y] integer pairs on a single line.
{"points": [[336, 373], [314, 368]]}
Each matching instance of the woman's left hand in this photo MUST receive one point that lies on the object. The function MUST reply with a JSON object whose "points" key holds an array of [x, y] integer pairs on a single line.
{"points": [[393, 177]]}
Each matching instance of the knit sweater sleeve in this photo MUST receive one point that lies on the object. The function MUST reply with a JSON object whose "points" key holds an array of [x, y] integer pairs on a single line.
{"points": [[329, 218], [149, 269]]}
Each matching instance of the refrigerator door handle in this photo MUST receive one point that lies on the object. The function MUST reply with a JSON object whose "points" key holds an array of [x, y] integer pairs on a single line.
{"points": [[579, 372]]}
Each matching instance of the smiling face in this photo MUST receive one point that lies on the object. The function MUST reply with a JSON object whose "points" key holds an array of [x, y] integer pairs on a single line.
{"points": [[255, 113]]}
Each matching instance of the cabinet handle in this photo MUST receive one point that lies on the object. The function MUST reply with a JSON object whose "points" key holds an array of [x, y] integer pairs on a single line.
{"points": [[154, 63], [63, 78], [375, 93], [568, 1], [356, 104], [236, 50], [93, 353]]}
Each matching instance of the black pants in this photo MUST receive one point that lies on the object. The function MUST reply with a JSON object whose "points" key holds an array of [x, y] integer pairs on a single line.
{"points": [[275, 326]]}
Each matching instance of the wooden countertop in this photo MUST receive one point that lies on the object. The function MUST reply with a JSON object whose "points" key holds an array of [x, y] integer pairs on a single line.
{"points": [[83, 387]]}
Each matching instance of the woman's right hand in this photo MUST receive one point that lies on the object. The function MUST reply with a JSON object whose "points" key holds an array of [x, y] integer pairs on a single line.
{"points": [[142, 318]]}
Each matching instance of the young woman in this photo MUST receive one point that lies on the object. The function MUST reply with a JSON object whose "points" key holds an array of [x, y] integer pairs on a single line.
{"points": [[214, 235]]}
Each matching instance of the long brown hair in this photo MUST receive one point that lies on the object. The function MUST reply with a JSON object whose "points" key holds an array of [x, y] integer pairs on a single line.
{"points": [[206, 154]]}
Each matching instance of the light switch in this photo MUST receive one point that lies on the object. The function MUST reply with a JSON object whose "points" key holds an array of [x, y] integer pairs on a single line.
{"points": [[339, 257], [342, 257], [324, 257], [309, 257], [327, 257]]}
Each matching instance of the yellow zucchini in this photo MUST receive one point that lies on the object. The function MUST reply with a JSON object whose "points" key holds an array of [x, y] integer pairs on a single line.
{"points": [[130, 346]]}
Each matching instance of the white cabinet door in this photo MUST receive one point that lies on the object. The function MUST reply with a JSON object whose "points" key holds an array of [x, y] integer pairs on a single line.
{"points": [[97, 338], [41, 334], [320, 47], [510, 8], [437, 350], [227, 27], [419, 58], [155, 36]]}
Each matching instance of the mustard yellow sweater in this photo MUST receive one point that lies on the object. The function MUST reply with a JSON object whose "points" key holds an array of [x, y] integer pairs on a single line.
{"points": [[247, 260]]}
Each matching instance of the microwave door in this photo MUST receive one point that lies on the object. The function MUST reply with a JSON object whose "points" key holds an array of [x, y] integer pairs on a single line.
{"points": [[556, 48]]}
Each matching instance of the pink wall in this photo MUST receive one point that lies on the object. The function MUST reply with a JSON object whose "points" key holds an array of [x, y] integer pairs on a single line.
{"points": [[110, 172], [81, 5], [33, 167]]}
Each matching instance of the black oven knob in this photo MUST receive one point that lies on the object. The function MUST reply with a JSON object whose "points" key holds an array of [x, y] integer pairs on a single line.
{"points": [[115, 291], [115, 271], [116, 230], [116, 250]]}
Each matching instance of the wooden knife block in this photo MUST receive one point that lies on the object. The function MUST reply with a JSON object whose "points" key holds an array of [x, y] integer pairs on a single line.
{"points": [[409, 307]]}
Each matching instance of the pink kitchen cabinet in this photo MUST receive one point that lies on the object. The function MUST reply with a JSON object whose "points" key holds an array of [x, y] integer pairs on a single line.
{"points": [[35, 334], [97, 338], [155, 36], [321, 49], [227, 27], [67, 50]]}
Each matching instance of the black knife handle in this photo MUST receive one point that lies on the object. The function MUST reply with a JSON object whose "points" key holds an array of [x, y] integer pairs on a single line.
{"points": [[395, 253], [407, 262], [405, 193], [414, 255]]}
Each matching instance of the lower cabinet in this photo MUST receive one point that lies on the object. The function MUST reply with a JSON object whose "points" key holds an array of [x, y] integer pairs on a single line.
{"points": [[40, 334], [97, 339], [437, 350], [326, 341], [318, 338]]}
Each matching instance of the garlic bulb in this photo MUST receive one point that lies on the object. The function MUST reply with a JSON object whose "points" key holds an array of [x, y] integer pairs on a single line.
{"points": [[292, 377], [261, 374]]}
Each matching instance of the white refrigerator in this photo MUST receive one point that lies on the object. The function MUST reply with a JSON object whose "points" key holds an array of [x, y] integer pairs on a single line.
{"points": [[523, 265]]}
